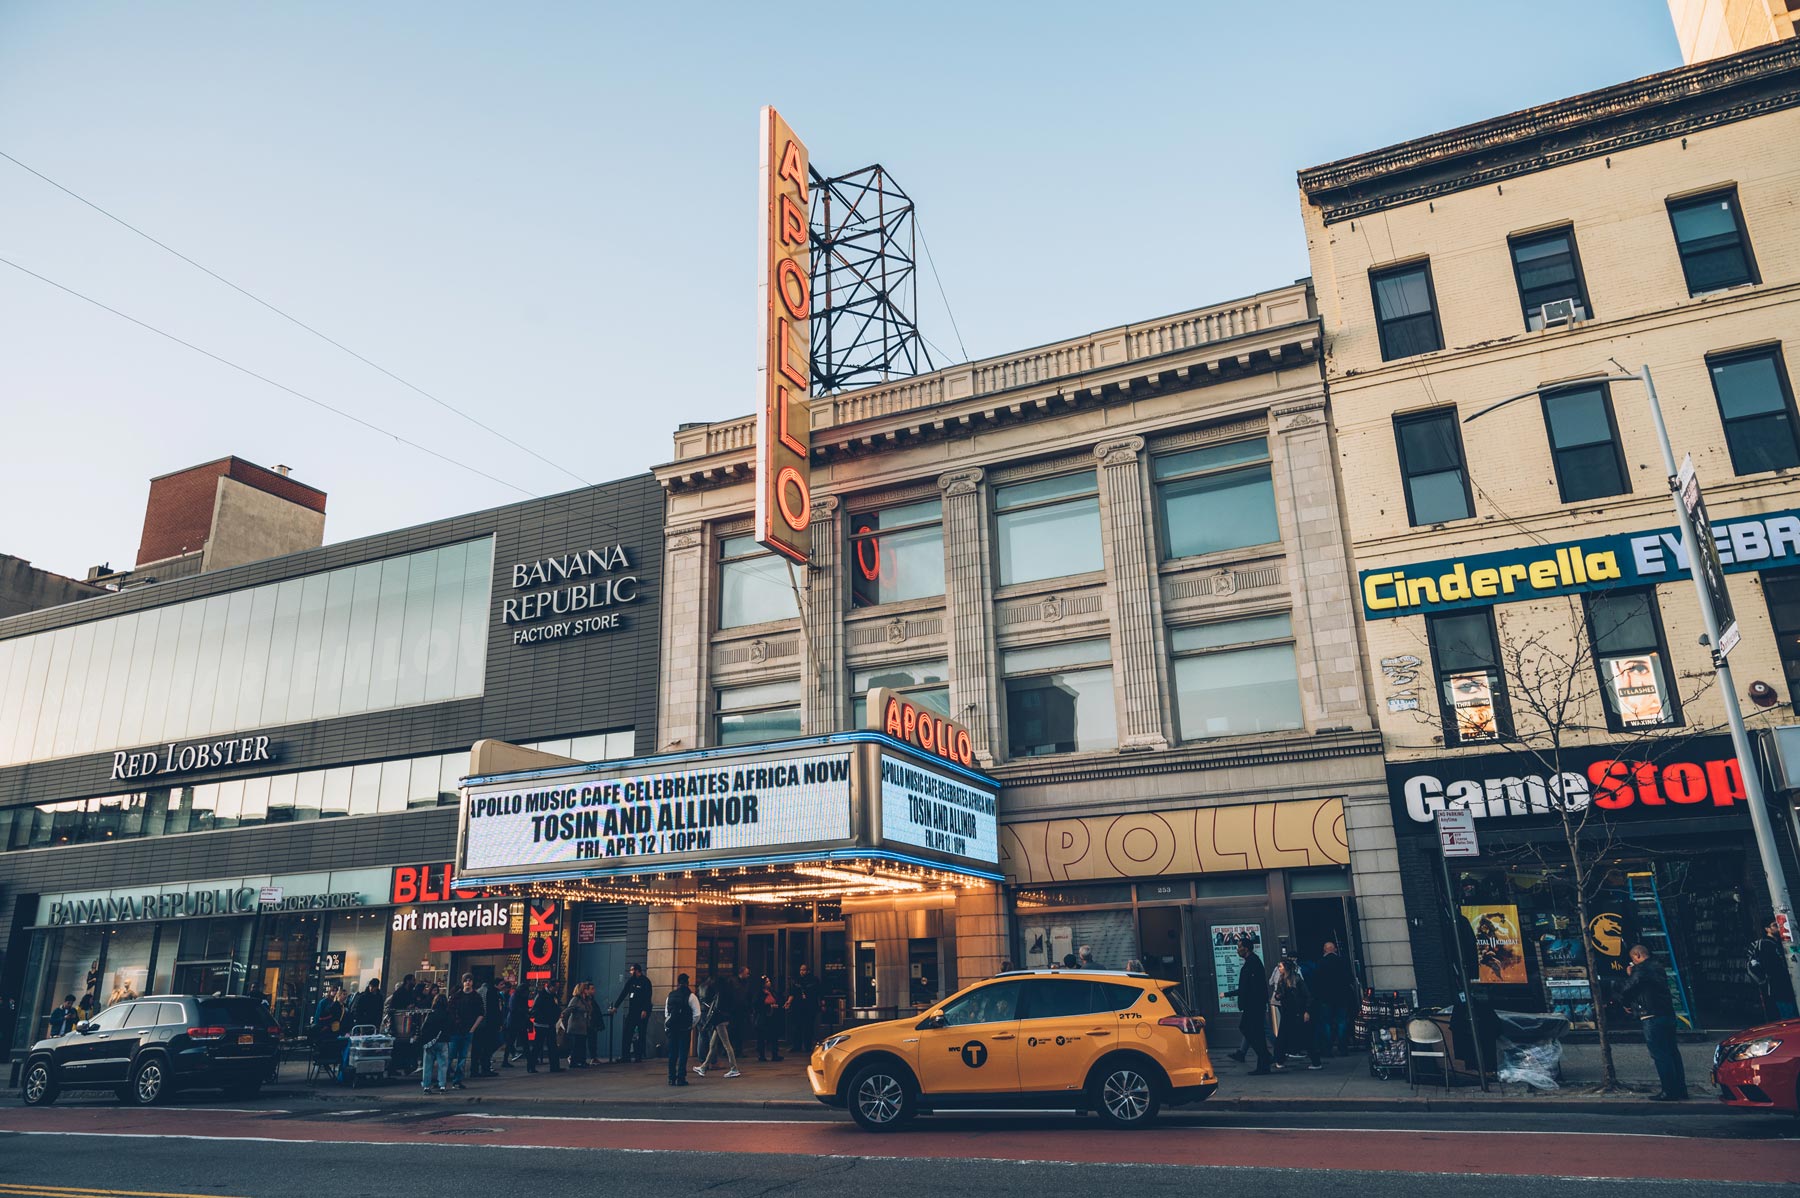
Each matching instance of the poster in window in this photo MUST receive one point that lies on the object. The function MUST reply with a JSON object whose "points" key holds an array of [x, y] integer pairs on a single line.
{"points": [[1499, 948], [1037, 947], [1225, 939], [1062, 943], [1637, 688], [1472, 699]]}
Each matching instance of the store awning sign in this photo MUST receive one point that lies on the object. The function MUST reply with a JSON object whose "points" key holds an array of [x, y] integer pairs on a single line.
{"points": [[842, 795]]}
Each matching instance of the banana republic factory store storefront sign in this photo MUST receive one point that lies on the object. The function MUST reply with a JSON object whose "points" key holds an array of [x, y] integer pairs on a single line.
{"points": [[853, 854]]}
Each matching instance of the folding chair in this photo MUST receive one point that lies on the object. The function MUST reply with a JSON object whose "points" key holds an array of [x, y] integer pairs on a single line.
{"points": [[1425, 1042]]}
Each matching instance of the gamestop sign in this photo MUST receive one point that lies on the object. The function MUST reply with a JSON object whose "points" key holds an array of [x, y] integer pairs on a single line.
{"points": [[622, 823], [1691, 777]]}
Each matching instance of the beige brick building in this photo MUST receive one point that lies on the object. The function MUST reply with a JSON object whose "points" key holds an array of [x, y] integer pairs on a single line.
{"points": [[1648, 223], [1117, 559], [1714, 28]]}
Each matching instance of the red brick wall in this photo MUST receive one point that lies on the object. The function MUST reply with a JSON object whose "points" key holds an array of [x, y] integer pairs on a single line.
{"points": [[178, 516]]}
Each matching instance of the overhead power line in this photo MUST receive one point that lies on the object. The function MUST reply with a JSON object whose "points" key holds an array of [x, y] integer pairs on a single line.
{"points": [[931, 262], [263, 378], [294, 320]]}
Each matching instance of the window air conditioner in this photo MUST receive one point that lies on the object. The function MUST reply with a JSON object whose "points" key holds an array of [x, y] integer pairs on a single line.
{"points": [[1557, 312]]}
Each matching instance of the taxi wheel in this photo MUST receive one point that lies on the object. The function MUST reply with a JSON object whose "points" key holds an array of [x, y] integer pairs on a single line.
{"points": [[881, 1098], [39, 1087], [1125, 1094]]}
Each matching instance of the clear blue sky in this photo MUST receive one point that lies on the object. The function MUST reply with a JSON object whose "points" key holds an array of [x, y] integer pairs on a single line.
{"points": [[544, 213]]}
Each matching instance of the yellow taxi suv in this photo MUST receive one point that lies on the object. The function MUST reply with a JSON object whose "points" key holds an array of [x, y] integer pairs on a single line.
{"points": [[1121, 1045]]}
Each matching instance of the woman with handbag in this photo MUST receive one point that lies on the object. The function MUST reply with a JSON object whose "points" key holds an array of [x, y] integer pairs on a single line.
{"points": [[572, 1029]]}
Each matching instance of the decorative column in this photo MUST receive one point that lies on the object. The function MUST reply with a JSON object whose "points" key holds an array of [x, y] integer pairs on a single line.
{"points": [[968, 599], [822, 683], [686, 627], [1132, 592]]}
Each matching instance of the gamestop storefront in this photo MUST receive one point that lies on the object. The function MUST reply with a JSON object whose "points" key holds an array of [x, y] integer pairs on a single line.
{"points": [[872, 861], [1663, 824]]}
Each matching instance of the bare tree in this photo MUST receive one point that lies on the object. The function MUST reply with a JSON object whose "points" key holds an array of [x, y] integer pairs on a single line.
{"points": [[1552, 692]]}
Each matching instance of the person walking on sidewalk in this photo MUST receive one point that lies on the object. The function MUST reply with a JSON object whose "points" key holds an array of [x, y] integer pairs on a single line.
{"points": [[576, 1018], [518, 1023], [493, 1022], [1768, 971], [541, 1036], [803, 1011], [1252, 996], [365, 1008], [1647, 992], [768, 1022], [715, 1028], [634, 996], [1293, 997], [681, 1011], [466, 1017], [1334, 987], [434, 1035]]}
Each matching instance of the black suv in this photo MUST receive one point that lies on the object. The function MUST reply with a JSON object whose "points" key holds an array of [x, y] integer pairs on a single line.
{"points": [[146, 1048]]}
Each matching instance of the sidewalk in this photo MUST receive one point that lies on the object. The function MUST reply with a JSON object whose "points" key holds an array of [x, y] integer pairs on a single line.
{"points": [[1343, 1085]]}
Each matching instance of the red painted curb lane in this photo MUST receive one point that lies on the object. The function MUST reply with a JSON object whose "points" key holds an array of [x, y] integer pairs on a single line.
{"points": [[1520, 1154]]}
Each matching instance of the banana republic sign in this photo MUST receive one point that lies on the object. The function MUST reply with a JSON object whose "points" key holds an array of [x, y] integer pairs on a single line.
{"points": [[585, 586], [180, 904]]}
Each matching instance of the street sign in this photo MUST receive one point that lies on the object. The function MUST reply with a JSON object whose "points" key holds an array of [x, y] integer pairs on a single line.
{"points": [[1456, 833], [584, 931], [269, 896], [1703, 558]]}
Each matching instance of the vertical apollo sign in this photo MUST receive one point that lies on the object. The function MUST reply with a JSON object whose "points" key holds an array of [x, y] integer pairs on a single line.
{"points": [[784, 294]]}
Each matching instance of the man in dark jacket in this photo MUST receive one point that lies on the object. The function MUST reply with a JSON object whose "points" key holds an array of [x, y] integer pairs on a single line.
{"points": [[634, 996], [545, 1011], [65, 1017], [803, 1011], [1647, 992], [518, 1023], [1334, 989], [1252, 996], [492, 1027], [1769, 970], [365, 1008]]}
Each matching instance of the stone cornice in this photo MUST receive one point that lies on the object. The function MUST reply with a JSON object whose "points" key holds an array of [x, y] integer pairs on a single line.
{"points": [[1260, 751], [1653, 108]]}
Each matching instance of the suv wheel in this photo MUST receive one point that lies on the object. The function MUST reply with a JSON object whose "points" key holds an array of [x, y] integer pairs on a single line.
{"points": [[1124, 1094], [39, 1088], [149, 1082], [881, 1097]]}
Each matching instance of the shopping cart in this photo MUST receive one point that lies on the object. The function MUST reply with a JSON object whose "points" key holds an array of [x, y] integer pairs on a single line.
{"points": [[368, 1054]]}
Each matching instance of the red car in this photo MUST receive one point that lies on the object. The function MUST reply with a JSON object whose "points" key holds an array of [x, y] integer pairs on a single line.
{"points": [[1760, 1068]]}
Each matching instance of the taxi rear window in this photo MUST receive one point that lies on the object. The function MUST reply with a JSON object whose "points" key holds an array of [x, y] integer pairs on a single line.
{"points": [[1177, 1004]]}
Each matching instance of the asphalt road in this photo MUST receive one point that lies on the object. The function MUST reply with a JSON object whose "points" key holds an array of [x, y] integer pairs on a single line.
{"points": [[304, 1148]]}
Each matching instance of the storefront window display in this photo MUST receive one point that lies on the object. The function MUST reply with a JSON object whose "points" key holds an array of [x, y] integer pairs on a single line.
{"points": [[361, 937], [130, 949], [1522, 941]]}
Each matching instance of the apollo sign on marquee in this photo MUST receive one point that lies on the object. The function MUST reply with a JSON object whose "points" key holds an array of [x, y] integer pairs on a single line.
{"points": [[784, 295]]}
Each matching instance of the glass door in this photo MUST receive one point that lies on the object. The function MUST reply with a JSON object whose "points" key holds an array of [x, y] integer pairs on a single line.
{"points": [[1219, 929]]}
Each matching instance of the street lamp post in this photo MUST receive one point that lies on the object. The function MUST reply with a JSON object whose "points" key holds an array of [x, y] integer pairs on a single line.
{"points": [[1740, 737]]}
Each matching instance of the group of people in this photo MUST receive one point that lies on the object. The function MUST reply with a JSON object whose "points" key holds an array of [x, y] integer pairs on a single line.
{"points": [[728, 1010], [448, 1034], [1312, 1005]]}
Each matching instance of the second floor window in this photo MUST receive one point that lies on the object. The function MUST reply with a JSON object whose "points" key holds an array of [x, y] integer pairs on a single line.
{"points": [[1431, 466], [1059, 699], [926, 683], [1757, 408], [1584, 443], [1631, 660], [1236, 678], [1406, 311], [1215, 498], [1782, 591], [1713, 243], [748, 715], [897, 553], [754, 586], [1547, 269], [1465, 657], [1047, 528]]}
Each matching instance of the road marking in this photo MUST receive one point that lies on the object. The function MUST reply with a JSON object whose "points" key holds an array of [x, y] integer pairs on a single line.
{"points": [[8, 1187], [644, 1119]]}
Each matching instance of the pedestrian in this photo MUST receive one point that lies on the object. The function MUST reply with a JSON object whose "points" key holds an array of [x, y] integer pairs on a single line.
{"points": [[493, 1021], [681, 1011], [577, 1016], [1294, 999], [596, 1022], [1252, 996], [399, 999], [715, 1028], [541, 1035], [466, 1017], [365, 1008], [1006, 966], [634, 996], [1086, 958], [768, 1022], [743, 1008], [1768, 971], [518, 1024], [1334, 988], [803, 1011], [65, 1017], [1647, 992], [435, 1036]]}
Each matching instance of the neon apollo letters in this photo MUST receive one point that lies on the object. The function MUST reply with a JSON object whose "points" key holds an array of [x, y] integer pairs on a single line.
{"points": [[593, 586], [784, 287]]}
